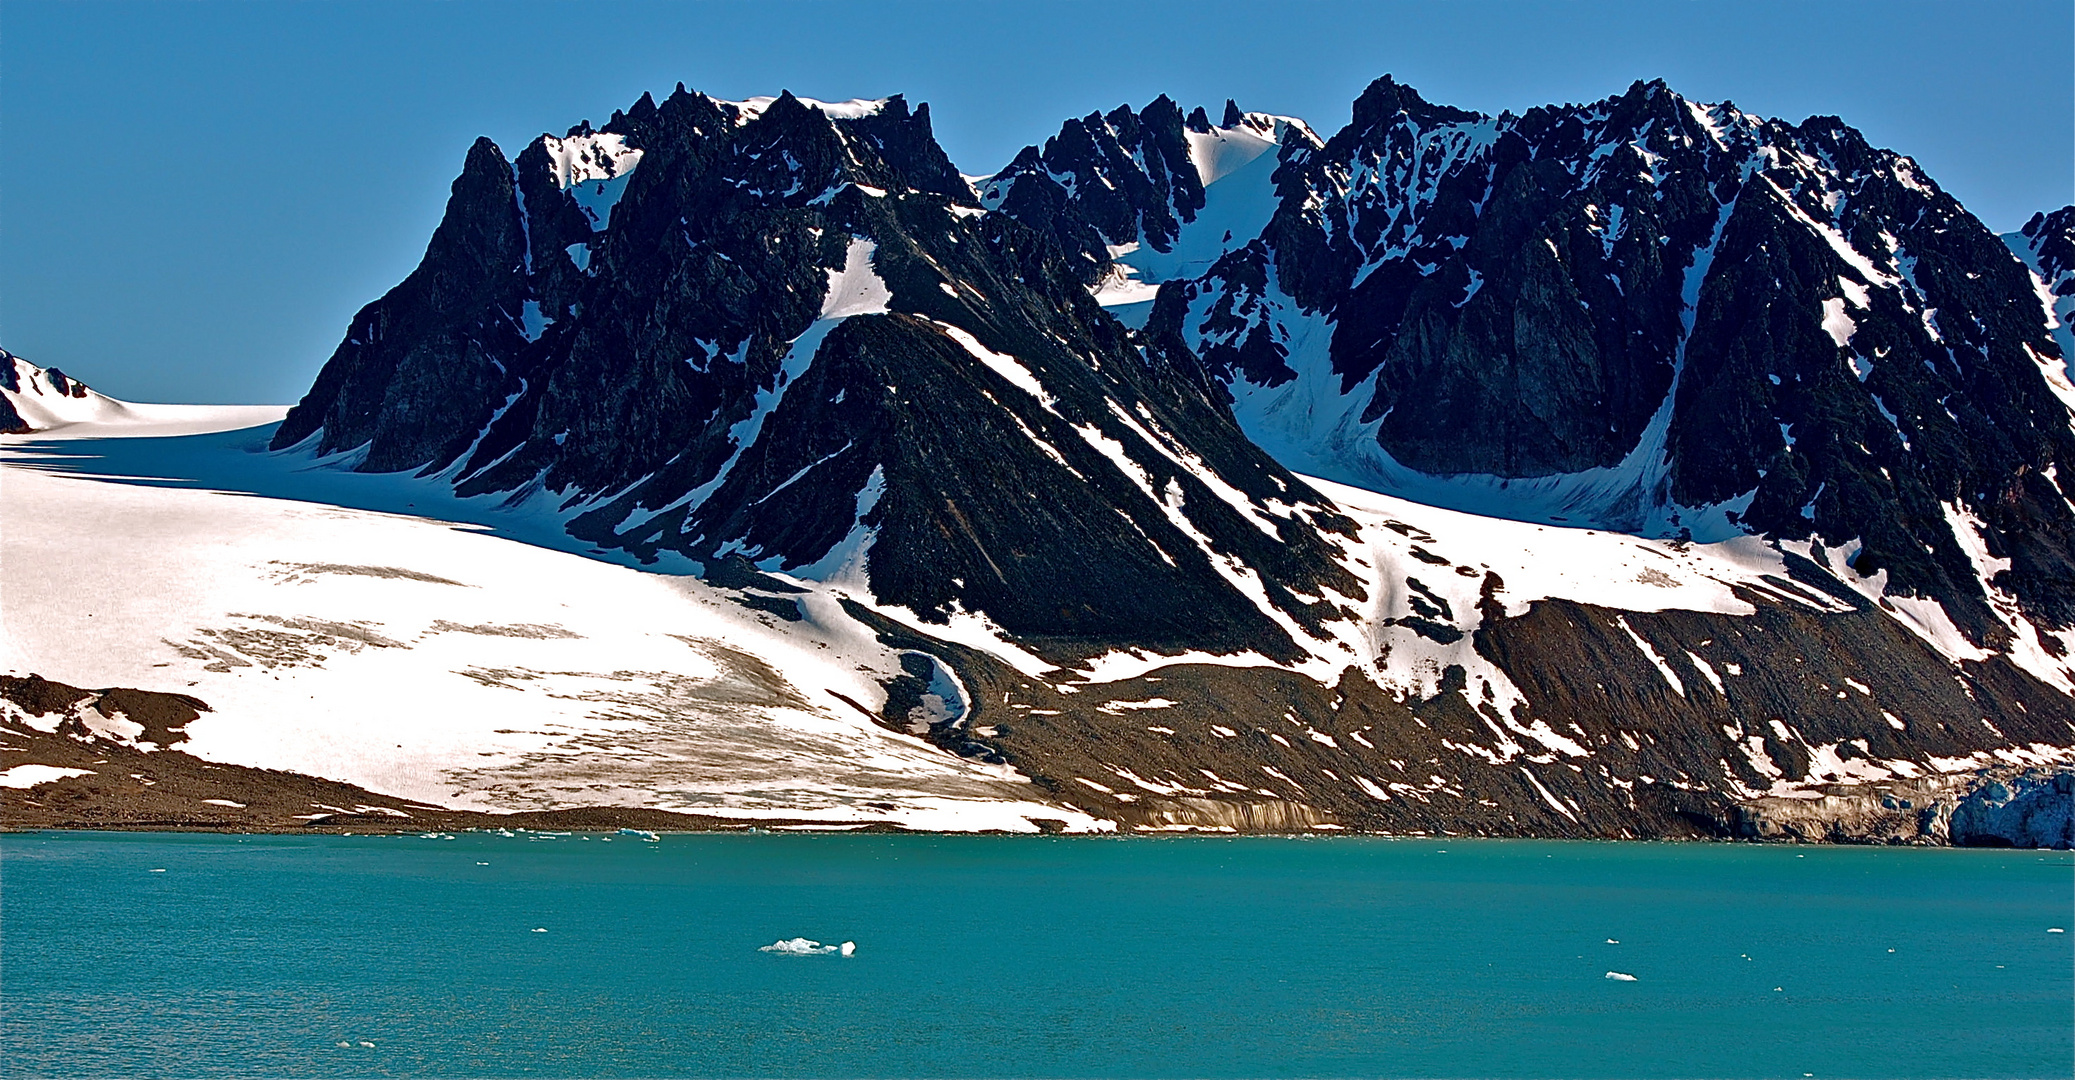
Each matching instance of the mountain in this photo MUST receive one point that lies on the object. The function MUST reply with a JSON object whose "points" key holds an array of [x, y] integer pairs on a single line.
{"points": [[1636, 468], [38, 399], [47, 402], [1648, 315]]}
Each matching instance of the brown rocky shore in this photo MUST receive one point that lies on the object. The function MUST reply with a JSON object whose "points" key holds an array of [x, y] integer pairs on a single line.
{"points": [[109, 759]]}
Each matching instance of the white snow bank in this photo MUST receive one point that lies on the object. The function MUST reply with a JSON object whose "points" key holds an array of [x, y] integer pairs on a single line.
{"points": [[593, 168], [1008, 367], [28, 776]]}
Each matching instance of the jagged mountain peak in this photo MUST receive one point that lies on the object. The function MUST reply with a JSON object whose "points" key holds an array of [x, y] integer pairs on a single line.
{"points": [[1141, 198], [2046, 246], [1386, 99], [657, 330]]}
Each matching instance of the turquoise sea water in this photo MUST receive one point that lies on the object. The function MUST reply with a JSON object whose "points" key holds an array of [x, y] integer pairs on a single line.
{"points": [[999, 956]]}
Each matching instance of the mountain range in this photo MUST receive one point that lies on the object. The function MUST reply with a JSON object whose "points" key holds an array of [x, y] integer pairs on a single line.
{"points": [[1634, 468]]}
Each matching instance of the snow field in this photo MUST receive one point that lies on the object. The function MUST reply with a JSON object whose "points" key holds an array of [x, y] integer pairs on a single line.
{"points": [[64, 416], [443, 664]]}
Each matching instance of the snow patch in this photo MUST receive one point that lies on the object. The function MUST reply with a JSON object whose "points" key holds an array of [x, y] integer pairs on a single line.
{"points": [[28, 776], [856, 289]]}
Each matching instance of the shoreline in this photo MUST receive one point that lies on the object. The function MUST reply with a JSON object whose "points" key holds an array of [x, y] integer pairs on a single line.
{"points": [[589, 823], [79, 778]]}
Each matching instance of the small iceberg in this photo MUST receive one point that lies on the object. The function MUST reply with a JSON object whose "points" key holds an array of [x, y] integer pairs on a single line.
{"points": [[643, 833], [800, 946], [1619, 976]]}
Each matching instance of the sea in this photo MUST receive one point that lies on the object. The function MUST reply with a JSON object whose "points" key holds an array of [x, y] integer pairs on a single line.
{"points": [[617, 955]]}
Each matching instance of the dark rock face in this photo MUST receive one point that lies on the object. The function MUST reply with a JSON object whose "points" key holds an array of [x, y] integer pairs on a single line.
{"points": [[2050, 240], [419, 370], [163, 716], [11, 422], [24, 382]]}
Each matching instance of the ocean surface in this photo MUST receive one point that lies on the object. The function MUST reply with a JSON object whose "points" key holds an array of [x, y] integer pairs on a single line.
{"points": [[537, 955]]}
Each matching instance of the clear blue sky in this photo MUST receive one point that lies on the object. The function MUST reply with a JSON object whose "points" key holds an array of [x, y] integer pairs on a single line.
{"points": [[196, 197]]}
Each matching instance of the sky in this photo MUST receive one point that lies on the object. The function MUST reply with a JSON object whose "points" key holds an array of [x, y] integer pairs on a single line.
{"points": [[196, 197]]}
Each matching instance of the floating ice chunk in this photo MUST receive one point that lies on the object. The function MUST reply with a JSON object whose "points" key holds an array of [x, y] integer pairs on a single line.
{"points": [[2055, 930], [1618, 976], [540, 929], [800, 946], [643, 833], [1612, 941]]}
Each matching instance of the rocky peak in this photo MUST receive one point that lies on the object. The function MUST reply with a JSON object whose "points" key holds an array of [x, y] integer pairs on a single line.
{"points": [[2050, 240], [1387, 102], [1107, 181]]}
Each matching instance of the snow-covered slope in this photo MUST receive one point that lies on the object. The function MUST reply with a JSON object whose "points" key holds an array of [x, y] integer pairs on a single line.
{"points": [[51, 404], [1237, 165], [443, 664], [335, 632], [1149, 196]]}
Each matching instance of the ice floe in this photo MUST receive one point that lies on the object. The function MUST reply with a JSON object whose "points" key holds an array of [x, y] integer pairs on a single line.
{"points": [[800, 946]]}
